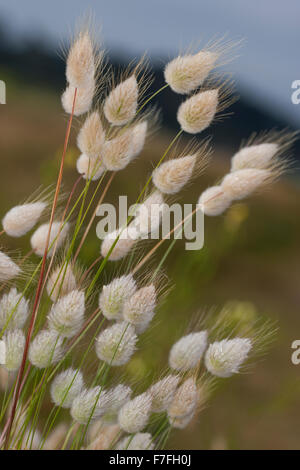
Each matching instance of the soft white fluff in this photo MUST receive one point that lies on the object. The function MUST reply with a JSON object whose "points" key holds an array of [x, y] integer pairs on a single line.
{"points": [[20, 219], [225, 358], [57, 237], [66, 386], [188, 351], [113, 296], [116, 344], [45, 349], [134, 415], [14, 309], [66, 315], [214, 201], [8, 269]]}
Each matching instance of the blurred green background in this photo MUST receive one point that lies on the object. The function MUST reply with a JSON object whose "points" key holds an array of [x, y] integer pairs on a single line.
{"points": [[251, 255]]}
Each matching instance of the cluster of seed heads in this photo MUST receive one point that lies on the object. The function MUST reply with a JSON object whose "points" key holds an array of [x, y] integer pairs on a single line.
{"points": [[111, 136]]}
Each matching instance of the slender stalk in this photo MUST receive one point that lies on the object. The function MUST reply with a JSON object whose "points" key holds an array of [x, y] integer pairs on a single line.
{"points": [[68, 436], [102, 265], [153, 250], [166, 237], [40, 283], [93, 216], [61, 225], [57, 238], [85, 274]]}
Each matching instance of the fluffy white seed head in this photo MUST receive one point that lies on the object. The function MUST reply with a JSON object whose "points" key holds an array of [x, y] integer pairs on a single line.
{"points": [[83, 101], [225, 358], [66, 315], [102, 436], [81, 61], [255, 156], [89, 404], [196, 113], [8, 269], [171, 176], [118, 396], [113, 296], [116, 344], [183, 422], [185, 400], [140, 441], [14, 348], [121, 247], [139, 133], [57, 237], [20, 219], [214, 201], [188, 351], [139, 308], [119, 151], [14, 310], [185, 74], [89, 168], [242, 183], [61, 282], [65, 387], [91, 136], [121, 104], [134, 415], [163, 393], [45, 349]]}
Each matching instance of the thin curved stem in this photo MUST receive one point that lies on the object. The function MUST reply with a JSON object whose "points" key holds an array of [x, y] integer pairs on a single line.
{"points": [[166, 237], [93, 216], [40, 283]]}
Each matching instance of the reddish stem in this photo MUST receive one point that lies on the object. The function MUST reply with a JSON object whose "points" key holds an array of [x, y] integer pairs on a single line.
{"points": [[84, 275], [40, 283]]}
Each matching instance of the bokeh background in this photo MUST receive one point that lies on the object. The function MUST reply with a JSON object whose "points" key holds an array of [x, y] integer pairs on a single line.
{"points": [[251, 254]]}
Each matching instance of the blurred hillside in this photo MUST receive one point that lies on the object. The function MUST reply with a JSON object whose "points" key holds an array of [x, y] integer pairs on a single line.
{"points": [[251, 254]]}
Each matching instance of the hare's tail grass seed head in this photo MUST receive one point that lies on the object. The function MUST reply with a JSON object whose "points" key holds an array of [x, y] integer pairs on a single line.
{"points": [[134, 415], [255, 166], [198, 111], [20, 219], [58, 235], [66, 386], [140, 441], [189, 70], [67, 314], [116, 344], [90, 357], [8, 268], [14, 310], [90, 168], [83, 71], [91, 137], [114, 295], [121, 104], [62, 281]]}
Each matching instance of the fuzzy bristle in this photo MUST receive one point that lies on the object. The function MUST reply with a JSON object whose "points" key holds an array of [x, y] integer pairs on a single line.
{"points": [[121, 104]]}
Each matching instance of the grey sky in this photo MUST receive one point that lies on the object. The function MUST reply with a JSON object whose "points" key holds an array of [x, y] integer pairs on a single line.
{"points": [[268, 61]]}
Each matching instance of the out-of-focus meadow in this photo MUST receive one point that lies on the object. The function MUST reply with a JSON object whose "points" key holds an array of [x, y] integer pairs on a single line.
{"points": [[250, 257]]}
